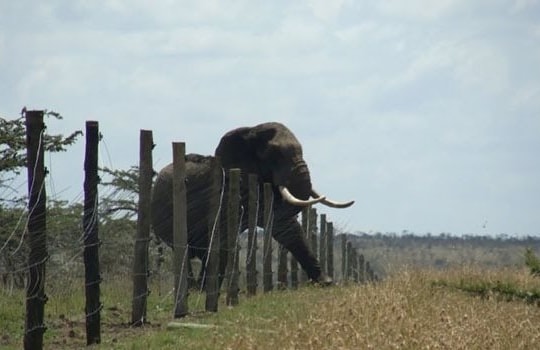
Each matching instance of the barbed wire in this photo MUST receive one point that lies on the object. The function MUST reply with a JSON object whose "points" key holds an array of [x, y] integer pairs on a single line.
{"points": [[92, 221], [253, 248], [213, 232], [69, 255], [236, 247]]}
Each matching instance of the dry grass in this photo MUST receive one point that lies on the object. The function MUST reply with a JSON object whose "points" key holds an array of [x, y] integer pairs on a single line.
{"points": [[407, 311]]}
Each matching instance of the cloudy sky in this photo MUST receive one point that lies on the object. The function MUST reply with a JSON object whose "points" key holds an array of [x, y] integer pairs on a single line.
{"points": [[425, 112]]}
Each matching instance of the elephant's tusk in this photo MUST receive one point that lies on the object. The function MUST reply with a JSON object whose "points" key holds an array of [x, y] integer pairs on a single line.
{"points": [[288, 197], [331, 203]]}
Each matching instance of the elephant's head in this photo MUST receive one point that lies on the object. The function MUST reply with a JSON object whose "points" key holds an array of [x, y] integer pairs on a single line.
{"points": [[272, 151]]}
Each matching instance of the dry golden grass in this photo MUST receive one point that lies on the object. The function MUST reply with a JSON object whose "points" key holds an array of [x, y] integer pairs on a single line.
{"points": [[407, 311]]}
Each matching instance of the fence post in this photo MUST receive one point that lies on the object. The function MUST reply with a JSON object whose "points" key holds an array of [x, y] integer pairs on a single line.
{"points": [[313, 230], [37, 234], [344, 257], [233, 225], [330, 249], [307, 238], [251, 255], [267, 243], [159, 261], [294, 272], [361, 269], [369, 272], [140, 260], [349, 261], [282, 268], [91, 240], [322, 244], [355, 265], [214, 249], [180, 249]]}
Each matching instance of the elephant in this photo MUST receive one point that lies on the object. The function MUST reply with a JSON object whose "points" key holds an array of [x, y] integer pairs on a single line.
{"points": [[272, 152]]}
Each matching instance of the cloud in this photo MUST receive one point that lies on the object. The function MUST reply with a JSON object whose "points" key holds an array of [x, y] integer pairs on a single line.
{"points": [[524, 5], [3, 50], [419, 9], [424, 107], [326, 10], [528, 95]]}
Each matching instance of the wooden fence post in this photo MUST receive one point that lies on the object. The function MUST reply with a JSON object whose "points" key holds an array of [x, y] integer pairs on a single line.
{"points": [[180, 249], [91, 240], [236, 275], [313, 230], [355, 265], [37, 234], [349, 261], [233, 225], [294, 272], [344, 257], [322, 244], [330, 249], [140, 260], [159, 262], [267, 243], [214, 249], [307, 238], [369, 272], [361, 269], [251, 254], [282, 268]]}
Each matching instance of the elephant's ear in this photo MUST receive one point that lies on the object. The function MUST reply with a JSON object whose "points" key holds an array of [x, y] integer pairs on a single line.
{"points": [[234, 148], [259, 140]]}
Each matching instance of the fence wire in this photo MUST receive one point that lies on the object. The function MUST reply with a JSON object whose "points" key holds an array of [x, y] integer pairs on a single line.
{"points": [[66, 238]]}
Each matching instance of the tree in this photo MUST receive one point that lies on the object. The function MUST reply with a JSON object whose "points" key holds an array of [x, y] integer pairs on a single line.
{"points": [[13, 151], [13, 142], [124, 191], [12, 210]]}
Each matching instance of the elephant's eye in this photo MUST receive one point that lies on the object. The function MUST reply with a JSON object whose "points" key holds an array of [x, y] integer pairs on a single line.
{"points": [[273, 152]]}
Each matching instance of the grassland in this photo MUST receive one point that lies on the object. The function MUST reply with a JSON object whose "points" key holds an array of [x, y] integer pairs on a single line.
{"points": [[413, 309]]}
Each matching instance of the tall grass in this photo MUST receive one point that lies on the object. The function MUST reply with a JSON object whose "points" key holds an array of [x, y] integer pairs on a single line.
{"points": [[409, 310]]}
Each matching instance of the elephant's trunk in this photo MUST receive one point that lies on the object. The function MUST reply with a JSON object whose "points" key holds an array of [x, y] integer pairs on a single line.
{"points": [[300, 180], [296, 188]]}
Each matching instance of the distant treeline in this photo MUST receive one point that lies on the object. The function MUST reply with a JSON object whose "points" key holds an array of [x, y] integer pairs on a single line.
{"points": [[407, 237], [390, 251]]}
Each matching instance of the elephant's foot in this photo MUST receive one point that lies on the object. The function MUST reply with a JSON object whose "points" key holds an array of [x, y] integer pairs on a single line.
{"points": [[324, 280]]}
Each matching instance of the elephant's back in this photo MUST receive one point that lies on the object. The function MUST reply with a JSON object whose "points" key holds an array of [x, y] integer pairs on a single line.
{"points": [[198, 170], [161, 204]]}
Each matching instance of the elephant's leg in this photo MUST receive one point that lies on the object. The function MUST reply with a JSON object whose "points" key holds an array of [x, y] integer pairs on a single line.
{"points": [[198, 249], [192, 284], [222, 265], [201, 282], [290, 234]]}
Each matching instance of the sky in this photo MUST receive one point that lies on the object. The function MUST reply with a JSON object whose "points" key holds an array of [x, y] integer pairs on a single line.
{"points": [[424, 112]]}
